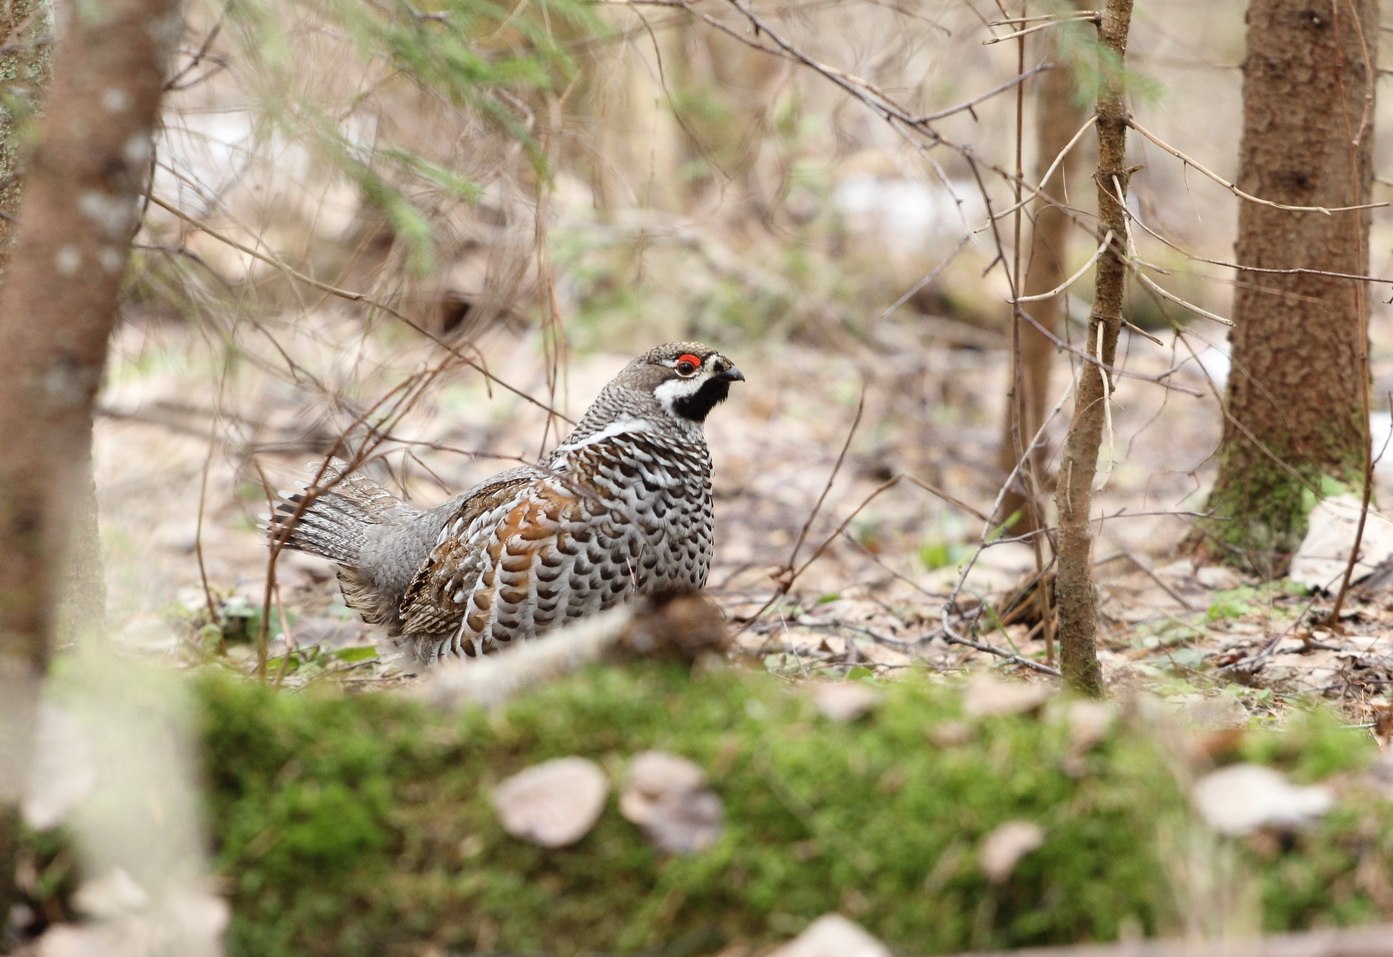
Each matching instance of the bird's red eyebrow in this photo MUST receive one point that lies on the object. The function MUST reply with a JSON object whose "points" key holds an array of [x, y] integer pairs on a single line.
{"points": [[688, 357]]}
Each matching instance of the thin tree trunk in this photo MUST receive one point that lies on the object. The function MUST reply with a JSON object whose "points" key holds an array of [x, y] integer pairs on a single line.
{"points": [[57, 307], [1058, 118], [1297, 396], [1074, 588]]}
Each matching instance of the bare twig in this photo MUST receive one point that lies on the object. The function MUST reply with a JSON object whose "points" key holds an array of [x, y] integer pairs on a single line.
{"points": [[1233, 187], [477, 364]]}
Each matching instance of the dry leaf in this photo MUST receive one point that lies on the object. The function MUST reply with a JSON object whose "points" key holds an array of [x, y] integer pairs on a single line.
{"points": [[1210, 712], [1244, 798], [1383, 726], [1218, 577], [667, 797], [552, 804], [832, 935], [1089, 723], [844, 701], [987, 695], [1004, 847], [950, 734]]}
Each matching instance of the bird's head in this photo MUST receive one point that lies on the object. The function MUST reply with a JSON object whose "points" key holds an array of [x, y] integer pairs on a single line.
{"points": [[687, 378]]}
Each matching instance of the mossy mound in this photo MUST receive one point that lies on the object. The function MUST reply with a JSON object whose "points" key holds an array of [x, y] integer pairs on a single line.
{"points": [[351, 825], [362, 825]]}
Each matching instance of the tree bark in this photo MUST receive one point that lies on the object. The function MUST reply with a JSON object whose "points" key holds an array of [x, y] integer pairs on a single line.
{"points": [[24, 68], [1297, 396], [57, 306], [1074, 588]]}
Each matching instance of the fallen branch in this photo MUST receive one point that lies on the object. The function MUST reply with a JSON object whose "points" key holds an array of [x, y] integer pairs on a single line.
{"points": [[687, 627]]}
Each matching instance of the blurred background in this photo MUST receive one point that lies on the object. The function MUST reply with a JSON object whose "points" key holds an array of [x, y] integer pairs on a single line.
{"points": [[440, 229]]}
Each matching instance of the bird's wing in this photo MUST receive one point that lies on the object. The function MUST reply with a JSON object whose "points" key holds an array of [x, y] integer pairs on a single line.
{"points": [[428, 606]]}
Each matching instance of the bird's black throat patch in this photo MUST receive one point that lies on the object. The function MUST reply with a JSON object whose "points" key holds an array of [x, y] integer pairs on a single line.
{"points": [[700, 403]]}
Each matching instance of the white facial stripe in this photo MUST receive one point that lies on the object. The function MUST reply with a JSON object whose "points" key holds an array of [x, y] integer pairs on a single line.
{"points": [[618, 427], [673, 389]]}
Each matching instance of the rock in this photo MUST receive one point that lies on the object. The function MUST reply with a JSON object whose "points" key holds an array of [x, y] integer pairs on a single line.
{"points": [[1320, 561]]}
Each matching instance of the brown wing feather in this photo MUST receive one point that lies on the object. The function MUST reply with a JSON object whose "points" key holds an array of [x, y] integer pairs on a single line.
{"points": [[428, 609]]}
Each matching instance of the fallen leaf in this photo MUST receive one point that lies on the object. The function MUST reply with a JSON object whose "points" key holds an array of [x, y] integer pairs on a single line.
{"points": [[552, 804], [1210, 712], [1218, 577], [1004, 847], [987, 695], [950, 734], [844, 701], [667, 797], [1089, 723], [832, 935], [1243, 798]]}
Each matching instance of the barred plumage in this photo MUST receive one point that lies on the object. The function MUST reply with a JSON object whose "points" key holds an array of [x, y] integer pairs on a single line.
{"points": [[621, 508]]}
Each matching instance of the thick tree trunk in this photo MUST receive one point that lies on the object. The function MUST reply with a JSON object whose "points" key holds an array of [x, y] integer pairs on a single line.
{"points": [[24, 67], [1074, 588], [1297, 394], [57, 306], [24, 63]]}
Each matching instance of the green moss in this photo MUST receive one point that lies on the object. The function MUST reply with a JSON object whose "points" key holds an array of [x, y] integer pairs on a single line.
{"points": [[351, 825], [363, 825], [1259, 512]]}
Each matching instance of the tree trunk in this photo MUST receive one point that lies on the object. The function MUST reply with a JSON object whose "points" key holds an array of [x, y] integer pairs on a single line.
{"points": [[57, 306], [1074, 589], [1297, 395], [24, 67], [1058, 117]]}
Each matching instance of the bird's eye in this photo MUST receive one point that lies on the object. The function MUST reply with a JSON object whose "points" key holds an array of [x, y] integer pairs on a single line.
{"points": [[687, 364]]}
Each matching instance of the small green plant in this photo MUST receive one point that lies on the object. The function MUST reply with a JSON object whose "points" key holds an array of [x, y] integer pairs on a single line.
{"points": [[934, 555], [219, 617], [1247, 600]]}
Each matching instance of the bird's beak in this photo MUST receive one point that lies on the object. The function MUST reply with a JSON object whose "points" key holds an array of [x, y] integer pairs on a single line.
{"points": [[730, 373]]}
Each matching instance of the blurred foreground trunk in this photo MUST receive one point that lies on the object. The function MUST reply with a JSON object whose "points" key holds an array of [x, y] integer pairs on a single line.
{"points": [[88, 167], [1297, 403], [24, 63], [1074, 587]]}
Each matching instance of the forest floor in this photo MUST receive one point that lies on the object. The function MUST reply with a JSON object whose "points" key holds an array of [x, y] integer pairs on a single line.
{"points": [[196, 428]]}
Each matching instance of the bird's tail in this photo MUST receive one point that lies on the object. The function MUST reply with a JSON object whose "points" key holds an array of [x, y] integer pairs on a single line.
{"points": [[331, 517]]}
